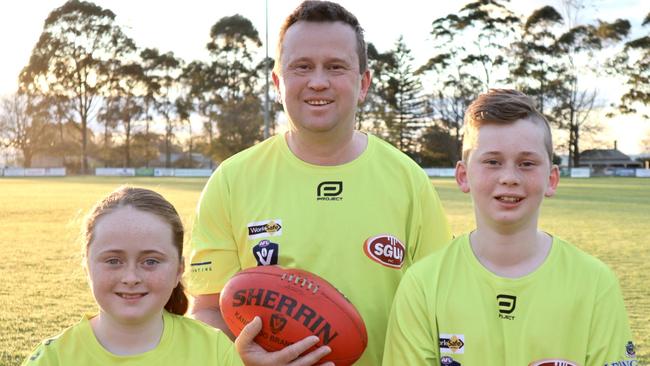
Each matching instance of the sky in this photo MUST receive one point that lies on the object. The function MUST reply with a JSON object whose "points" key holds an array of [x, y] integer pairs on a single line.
{"points": [[183, 27]]}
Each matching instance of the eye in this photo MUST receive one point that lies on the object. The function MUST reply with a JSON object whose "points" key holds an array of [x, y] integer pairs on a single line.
{"points": [[491, 162], [528, 164], [112, 261], [151, 262]]}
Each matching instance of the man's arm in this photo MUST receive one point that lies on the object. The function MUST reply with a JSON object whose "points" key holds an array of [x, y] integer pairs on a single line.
{"points": [[206, 309]]}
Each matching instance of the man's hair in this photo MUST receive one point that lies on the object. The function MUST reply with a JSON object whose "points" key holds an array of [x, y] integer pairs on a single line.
{"points": [[502, 106], [323, 11]]}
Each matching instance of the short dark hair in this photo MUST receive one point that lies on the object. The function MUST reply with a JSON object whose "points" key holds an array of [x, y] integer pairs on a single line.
{"points": [[151, 202], [502, 106], [324, 11]]}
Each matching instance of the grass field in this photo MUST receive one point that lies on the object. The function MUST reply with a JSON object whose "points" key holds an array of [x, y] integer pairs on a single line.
{"points": [[45, 288]]}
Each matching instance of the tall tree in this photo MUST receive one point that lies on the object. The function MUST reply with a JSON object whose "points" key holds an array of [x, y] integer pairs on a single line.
{"points": [[470, 58], [579, 47], [28, 132], [404, 96], [234, 83], [70, 59], [162, 73], [634, 64]]}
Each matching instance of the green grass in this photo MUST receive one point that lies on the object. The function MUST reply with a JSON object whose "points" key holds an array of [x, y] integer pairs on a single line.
{"points": [[45, 288]]}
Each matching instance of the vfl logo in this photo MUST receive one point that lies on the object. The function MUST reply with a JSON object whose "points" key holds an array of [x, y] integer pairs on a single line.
{"points": [[277, 323], [266, 253], [551, 362], [452, 343], [385, 249], [448, 361], [629, 350], [507, 304], [329, 191], [264, 228]]}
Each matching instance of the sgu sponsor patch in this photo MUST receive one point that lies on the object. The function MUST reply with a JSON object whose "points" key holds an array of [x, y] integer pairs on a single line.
{"points": [[385, 249], [263, 229], [552, 362]]}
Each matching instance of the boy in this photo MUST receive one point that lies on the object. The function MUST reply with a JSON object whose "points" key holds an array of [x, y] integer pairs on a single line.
{"points": [[508, 293]]}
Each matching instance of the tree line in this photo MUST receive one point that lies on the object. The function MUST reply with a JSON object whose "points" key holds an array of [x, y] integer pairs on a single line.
{"points": [[85, 70]]}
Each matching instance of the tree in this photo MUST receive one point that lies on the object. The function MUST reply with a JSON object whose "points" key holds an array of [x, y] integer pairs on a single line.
{"points": [[578, 47], [471, 46], [70, 59], [404, 99], [233, 85], [539, 68], [162, 73], [22, 130], [634, 64]]}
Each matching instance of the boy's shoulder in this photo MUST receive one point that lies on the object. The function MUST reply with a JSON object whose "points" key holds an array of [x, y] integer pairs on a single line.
{"points": [[578, 259]]}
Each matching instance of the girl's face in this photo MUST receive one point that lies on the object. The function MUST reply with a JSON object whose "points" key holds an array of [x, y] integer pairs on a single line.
{"points": [[133, 265]]}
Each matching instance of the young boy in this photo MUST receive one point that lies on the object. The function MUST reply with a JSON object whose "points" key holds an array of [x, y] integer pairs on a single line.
{"points": [[508, 293]]}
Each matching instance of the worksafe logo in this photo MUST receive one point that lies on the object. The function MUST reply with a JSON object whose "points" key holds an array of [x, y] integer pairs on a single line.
{"points": [[507, 305], [329, 191], [451, 343], [266, 228]]}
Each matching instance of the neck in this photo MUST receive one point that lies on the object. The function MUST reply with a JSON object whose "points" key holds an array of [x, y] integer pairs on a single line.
{"points": [[328, 151], [125, 339], [510, 255]]}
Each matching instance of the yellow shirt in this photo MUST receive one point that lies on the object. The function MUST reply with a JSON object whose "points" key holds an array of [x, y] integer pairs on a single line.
{"points": [[358, 225], [184, 342], [450, 310]]}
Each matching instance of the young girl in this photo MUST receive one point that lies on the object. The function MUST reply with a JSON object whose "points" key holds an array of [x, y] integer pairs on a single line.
{"points": [[133, 257]]}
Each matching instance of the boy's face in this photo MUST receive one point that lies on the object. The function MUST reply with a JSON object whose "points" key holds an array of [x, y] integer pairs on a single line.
{"points": [[508, 173]]}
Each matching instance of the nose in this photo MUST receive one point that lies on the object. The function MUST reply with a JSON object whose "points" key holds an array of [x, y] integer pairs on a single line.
{"points": [[509, 176], [131, 275], [319, 80]]}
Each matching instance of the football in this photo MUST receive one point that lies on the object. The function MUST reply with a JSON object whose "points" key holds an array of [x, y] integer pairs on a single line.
{"points": [[294, 304]]}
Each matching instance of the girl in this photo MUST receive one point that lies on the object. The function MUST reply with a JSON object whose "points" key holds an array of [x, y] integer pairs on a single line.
{"points": [[133, 243]]}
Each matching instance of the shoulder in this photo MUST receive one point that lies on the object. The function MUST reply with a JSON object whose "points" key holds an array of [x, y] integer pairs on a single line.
{"points": [[394, 162], [191, 328], [271, 145], [583, 264], [50, 350], [443, 260]]}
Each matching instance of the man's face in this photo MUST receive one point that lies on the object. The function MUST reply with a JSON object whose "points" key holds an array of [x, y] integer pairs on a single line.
{"points": [[319, 81]]}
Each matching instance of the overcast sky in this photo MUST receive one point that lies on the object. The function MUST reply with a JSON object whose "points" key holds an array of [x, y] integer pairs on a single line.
{"points": [[183, 27]]}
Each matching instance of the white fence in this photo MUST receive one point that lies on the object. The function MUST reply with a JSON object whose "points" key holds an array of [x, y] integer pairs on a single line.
{"points": [[32, 172]]}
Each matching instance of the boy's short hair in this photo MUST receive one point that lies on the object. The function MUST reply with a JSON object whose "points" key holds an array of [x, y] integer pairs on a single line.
{"points": [[323, 11], [502, 106]]}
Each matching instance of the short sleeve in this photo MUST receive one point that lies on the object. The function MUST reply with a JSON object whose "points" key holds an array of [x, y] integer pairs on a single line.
{"points": [[431, 228], [610, 338], [412, 334], [213, 251]]}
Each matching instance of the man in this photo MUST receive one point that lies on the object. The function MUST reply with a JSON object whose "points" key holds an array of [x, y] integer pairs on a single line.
{"points": [[323, 197]]}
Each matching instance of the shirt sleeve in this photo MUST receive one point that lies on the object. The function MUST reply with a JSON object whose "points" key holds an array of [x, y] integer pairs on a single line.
{"points": [[431, 228], [213, 250], [610, 338], [412, 334], [42, 356]]}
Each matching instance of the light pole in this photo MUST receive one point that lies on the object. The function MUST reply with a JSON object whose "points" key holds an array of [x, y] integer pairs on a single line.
{"points": [[266, 71]]}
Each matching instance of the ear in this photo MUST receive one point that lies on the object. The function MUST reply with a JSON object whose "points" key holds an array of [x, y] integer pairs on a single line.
{"points": [[365, 85], [461, 176], [553, 180], [181, 270]]}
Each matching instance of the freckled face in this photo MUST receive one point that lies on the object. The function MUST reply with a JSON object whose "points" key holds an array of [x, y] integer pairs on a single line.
{"points": [[133, 265], [508, 173]]}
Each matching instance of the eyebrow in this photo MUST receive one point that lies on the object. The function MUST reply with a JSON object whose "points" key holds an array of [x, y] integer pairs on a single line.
{"points": [[144, 252]]}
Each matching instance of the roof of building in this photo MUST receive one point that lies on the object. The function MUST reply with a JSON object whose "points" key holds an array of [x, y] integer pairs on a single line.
{"points": [[606, 157]]}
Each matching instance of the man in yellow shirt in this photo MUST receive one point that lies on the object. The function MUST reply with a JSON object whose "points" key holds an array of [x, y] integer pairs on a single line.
{"points": [[322, 197]]}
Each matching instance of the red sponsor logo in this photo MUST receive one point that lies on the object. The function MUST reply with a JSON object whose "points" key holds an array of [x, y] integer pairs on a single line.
{"points": [[385, 249], [550, 362]]}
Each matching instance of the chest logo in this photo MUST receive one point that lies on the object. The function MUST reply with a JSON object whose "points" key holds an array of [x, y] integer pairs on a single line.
{"points": [[452, 343], [385, 249], [550, 362], [266, 228], [266, 253], [507, 305], [329, 191]]}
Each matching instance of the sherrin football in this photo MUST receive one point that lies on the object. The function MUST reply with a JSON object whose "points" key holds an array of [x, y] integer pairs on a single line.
{"points": [[294, 304]]}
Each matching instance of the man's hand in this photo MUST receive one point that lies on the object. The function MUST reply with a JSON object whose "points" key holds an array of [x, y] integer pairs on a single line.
{"points": [[252, 354]]}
